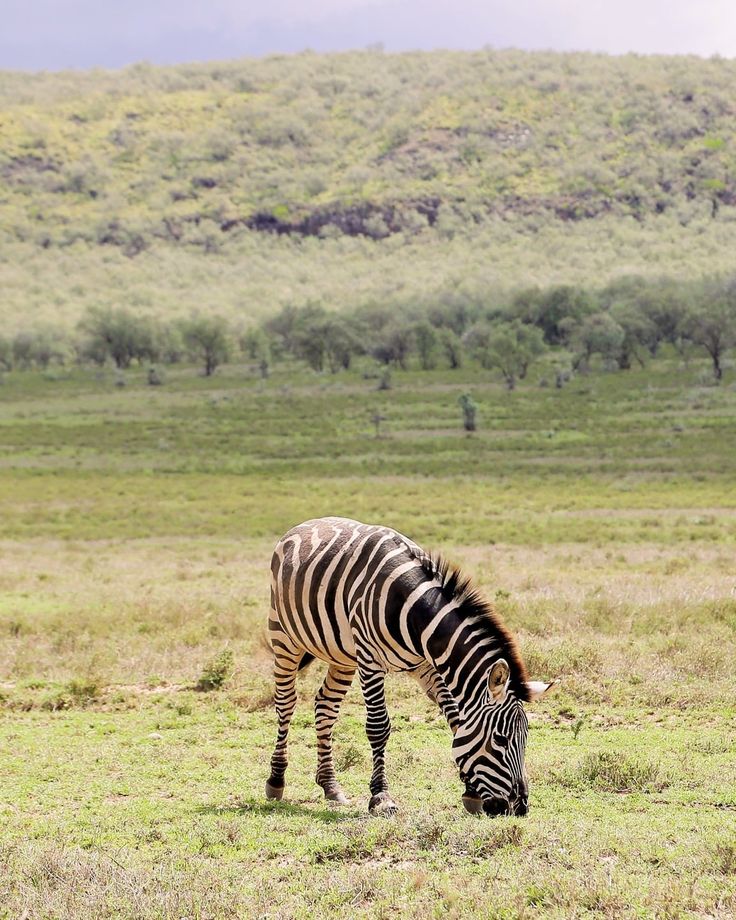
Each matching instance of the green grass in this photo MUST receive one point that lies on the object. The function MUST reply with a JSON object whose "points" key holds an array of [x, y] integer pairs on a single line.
{"points": [[136, 532]]}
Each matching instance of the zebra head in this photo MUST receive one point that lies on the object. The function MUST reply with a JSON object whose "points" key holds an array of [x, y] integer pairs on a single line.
{"points": [[490, 743]]}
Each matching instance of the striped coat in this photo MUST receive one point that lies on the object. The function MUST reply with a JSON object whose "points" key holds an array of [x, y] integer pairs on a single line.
{"points": [[365, 598]]}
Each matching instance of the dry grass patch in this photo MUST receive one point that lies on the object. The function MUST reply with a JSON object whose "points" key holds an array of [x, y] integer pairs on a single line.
{"points": [[617, 772]]}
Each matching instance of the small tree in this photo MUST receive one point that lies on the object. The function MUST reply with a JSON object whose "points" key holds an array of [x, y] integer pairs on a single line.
{"points": [[6, 354], [23, 349], [377, 418], [394, 344], [470, 408], [118, 334], [712, 323], [452, 348], [257, 346], [597, 334], [638, 330], [208, 341], [425, 336], [322, 339], [665, 305], [171, 346], [341, 344], [554, 310], [511, 347]]}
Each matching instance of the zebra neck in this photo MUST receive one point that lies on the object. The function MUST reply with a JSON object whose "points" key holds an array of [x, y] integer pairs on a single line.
{"points": [[463, 651]]}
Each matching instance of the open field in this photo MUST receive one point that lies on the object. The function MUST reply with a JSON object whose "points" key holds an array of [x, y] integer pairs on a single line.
{"points": [[137, 525]]}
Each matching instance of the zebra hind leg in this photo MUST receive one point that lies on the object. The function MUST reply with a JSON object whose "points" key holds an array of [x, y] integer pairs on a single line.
{"points": [[326, 708], [378, 729], [286, 665]]}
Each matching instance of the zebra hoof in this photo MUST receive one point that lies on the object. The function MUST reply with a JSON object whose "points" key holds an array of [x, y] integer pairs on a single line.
{"points": [[274, 792], [473, 804], [337, 796], [382, 805]]}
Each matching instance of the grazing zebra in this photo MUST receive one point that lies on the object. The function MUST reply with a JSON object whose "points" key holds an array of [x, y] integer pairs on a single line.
{"points": [[364, 597]]}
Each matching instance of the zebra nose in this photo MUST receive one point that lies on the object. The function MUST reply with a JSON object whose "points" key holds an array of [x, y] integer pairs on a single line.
{"points": [[520, 798], [495, 807]]}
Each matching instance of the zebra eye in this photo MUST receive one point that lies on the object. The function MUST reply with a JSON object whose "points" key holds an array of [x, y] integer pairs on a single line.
{"points": [[500, 740]]}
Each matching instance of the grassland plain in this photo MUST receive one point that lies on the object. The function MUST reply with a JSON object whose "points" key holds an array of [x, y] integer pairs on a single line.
{"points": [[137, 525]]}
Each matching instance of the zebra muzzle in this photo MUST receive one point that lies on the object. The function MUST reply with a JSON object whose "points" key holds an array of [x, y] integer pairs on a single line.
{"points": [[495, 807], [473, 804]]}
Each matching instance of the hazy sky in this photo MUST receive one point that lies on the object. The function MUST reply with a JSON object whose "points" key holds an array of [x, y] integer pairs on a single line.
{"points": [[52, 34]]}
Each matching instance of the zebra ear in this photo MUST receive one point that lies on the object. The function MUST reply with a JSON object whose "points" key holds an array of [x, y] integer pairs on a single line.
{"points": [[498, 678], [538, 688]]}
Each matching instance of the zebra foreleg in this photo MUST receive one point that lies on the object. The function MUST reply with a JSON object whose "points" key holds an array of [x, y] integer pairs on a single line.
{"points": [[434, 686], [436, 689], [326, 708], [285, 670], [378, 729]]}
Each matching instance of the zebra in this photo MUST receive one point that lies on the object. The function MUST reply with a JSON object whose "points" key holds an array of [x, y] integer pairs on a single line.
{"points": [[365, 598]]}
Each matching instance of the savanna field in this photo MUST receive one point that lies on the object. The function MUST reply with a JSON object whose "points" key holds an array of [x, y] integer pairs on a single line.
{"points": [[367, 214], [135, 713]]}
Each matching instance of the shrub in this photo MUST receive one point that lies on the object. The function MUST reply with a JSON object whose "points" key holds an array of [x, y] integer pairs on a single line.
{"points": [[215, 672], [208, 341], [470, 408]]}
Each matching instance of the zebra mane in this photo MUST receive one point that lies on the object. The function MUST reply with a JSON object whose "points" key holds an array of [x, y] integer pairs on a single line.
{"points": [[455, 585]]}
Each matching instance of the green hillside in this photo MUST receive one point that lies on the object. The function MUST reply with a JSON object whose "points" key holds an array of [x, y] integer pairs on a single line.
{"points": [[247, 185]]}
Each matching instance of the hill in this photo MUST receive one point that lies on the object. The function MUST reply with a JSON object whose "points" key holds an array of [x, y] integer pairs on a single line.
{"points": [[242, 186]]}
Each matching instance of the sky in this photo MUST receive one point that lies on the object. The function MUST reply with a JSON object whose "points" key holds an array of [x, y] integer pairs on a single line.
{"points": [[58, 34]]}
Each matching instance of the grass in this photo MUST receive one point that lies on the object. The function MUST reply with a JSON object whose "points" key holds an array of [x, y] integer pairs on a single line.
{"points": [[137, 529]]}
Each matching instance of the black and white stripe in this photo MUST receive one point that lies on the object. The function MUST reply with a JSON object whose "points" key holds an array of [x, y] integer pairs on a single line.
{"points": [[365, 598]]}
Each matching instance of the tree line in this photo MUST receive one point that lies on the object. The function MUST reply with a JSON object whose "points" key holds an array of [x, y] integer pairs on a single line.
{"points": [[625, 323]]}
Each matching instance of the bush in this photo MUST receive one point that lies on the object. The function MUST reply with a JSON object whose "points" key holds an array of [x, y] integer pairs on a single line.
{"points": [[120, 335], [215, 672], [208, 341]]}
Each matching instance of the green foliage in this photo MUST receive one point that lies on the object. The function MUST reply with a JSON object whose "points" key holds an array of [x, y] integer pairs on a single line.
{"points": [[509, 346], [427, 341], [362, 177], [470, 409], [323, 340], [394, 343], [555, 311], [215, 672], [120, 335], [712, 322], [452, 347], [207, 339], [506, 130], [597, 334], [632, 319], [6, 354]]}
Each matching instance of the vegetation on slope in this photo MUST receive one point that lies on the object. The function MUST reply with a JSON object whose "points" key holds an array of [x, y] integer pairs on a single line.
{"points": [[166, 187], [363, 144]]}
